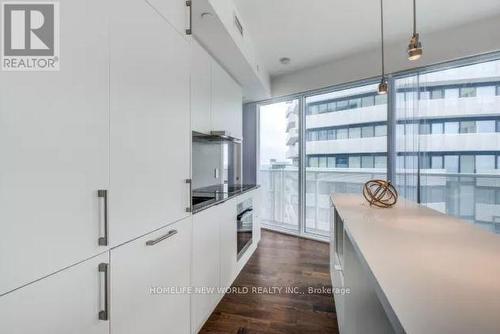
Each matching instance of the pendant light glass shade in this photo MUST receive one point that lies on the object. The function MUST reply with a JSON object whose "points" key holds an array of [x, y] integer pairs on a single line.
{"points": [[383, 87], [415, 50]]}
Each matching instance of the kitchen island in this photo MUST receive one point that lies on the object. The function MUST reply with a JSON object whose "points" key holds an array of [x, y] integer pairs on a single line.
{"points": [[411, 269]]}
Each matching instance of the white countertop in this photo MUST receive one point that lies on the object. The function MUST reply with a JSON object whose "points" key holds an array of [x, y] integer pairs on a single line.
{"points": [[438, 273]]}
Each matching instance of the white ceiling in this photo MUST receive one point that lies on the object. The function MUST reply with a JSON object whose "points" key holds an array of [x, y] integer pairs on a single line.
{"points": [[312, 32]]}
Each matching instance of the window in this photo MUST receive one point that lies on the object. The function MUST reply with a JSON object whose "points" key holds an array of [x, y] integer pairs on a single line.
{"points": [[485, 91], [332, 134], [451, 93], [351, 158], [451, 163], [355, 132], [277, 166], [380, 99], [323, 108], [425, 95], [467, 164], [485, 163], [331, 162], [367, 131], [437, 128], [314, 135], [425, 128], [468, 92], [342, 105], [369, 101], [442, 153], [425, 162], [437, 162], [486, 126], [437, 94], [380, 162], [467, 127], [367, 161], [400, 130], [380, 130], [355, 162], [451, 127], [342, 134], [342, 162], [313, 109], [354, 103]]}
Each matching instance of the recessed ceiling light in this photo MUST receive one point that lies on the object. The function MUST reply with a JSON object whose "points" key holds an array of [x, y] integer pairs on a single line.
{"points": [[285, 60]]}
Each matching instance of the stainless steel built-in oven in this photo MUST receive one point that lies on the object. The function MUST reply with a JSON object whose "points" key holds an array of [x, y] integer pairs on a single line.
{"points": [[244, 232]]}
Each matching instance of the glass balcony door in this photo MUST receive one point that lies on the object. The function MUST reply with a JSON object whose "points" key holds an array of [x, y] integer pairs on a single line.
{"points": [[279, 165]]}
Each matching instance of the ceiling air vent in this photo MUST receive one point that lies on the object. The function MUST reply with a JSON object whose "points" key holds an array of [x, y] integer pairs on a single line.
{"points": [[238, 25]]}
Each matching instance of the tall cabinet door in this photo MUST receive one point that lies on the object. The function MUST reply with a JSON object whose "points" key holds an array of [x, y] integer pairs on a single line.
{"points": [[68, 302], [227, 102], [200, 89], [54, 136], [142, 271], [150, 121]]}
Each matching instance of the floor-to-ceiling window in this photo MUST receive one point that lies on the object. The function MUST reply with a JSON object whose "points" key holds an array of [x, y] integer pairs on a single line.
{"points": [[444, 131], [278, 171], [346, 145], [448, 140]]}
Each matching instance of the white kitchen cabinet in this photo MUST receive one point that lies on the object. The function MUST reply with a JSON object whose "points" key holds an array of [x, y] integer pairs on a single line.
{"points": [[67, 302], [141, 273], [150, 121], [54, 134], [205, 265], [201, 84], [174, 11], [227, 102], [228, 249]]}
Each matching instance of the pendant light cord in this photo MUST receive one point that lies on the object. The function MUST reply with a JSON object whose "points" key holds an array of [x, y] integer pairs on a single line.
{"points": [[414, 17], [382, 34]]}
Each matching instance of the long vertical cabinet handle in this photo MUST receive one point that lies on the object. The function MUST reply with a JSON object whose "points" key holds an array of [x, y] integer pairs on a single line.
{"points": [[189, 208], [104, 314], [189, 14], [103, 194]]}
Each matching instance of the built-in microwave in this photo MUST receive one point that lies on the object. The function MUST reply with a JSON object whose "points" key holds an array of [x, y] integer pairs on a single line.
{"points": [[244, 230]]}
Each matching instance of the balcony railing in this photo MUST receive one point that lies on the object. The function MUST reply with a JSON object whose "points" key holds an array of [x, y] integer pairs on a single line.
{"points": [[473, 197]]}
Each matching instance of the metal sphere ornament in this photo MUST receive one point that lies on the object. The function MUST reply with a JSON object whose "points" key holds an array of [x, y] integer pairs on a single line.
{"points": [[380, 193]]}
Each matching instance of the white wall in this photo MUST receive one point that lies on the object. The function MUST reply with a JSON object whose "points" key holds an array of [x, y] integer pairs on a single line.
{"points": [[468, 40]]}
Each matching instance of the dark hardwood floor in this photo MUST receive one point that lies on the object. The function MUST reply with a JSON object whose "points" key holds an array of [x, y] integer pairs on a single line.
{"points": [[280, 261]]}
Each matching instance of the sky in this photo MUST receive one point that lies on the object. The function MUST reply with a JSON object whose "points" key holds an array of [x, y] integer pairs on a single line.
{"points": [[273, 132]]}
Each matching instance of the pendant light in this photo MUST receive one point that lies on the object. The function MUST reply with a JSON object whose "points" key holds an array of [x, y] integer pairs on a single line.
{"points": [[383, 86], [415, 50]]}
